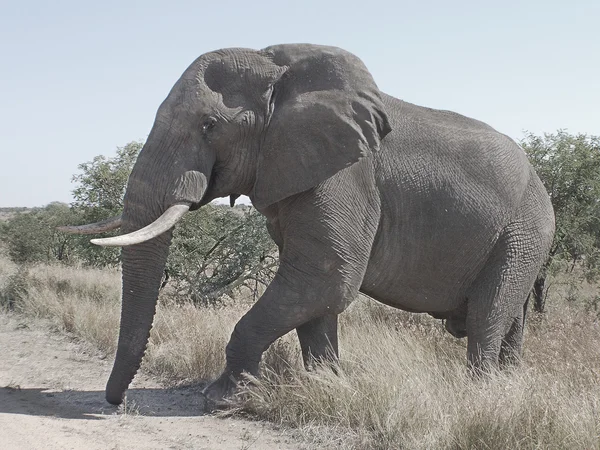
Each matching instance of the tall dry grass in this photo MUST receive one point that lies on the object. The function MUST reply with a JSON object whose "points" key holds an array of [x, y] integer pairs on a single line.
{"points": [[401, 383], [407, 387], [188, 343], [84, 302]]}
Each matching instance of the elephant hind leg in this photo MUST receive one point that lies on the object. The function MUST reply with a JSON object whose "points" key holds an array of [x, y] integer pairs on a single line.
{"points": [[512, 344], [497, 300], [319, 340], [495, 318]]}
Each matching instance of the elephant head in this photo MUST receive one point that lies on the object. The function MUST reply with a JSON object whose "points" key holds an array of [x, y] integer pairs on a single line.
{"points": [[268, 124]]}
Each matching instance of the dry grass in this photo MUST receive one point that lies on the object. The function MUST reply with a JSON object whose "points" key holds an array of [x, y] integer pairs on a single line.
{"points": [[408, 388], [402, 381], [84, 302], [188, 343]]}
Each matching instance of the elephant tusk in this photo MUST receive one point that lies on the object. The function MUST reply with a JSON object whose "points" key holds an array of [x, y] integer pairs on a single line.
{"points": [[167, 220], [93, 228]]}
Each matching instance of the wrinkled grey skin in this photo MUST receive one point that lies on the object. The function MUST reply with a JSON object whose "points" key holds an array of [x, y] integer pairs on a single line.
{"points": [[423, 210]]}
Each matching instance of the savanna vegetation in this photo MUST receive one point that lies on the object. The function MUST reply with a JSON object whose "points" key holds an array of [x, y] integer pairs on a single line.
{"points": [[402, 381], [216, 251]]}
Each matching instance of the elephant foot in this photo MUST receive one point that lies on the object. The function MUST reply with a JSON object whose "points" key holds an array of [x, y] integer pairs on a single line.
{"points": [[219, 393]]}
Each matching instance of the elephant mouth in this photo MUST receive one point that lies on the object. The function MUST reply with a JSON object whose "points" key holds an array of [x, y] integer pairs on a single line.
{"points": [[205, 201], [208, 193]]}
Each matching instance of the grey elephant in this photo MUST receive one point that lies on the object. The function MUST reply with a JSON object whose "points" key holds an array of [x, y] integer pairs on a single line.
{"points": [[421, 209]]}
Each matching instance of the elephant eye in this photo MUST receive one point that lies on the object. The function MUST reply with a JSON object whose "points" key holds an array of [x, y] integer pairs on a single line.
{"points": [[208, 124]]}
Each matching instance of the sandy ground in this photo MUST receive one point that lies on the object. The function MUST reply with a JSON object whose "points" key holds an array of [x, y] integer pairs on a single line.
{"points": [[52, 397]]}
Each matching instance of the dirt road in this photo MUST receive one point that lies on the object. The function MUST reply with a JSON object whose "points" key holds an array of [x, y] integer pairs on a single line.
{"points": [[52, 397]]}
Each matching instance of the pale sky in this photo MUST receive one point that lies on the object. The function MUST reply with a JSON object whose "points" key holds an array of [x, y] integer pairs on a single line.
{"points": [[80, 78]]}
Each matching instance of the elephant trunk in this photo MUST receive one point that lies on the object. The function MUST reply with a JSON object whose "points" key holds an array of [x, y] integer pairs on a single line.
{"points": [[147, 199], [143, 266]]}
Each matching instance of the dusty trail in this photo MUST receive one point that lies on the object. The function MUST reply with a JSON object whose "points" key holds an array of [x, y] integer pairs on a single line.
{"points": [[51, 397]]}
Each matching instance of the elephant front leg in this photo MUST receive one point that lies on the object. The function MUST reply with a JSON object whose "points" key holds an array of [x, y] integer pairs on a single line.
{"points": [[286, 304], [319, 341], [325, 250]]}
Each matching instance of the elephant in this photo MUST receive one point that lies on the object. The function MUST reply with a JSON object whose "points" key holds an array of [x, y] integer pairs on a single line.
{"points": [[421, 209]]}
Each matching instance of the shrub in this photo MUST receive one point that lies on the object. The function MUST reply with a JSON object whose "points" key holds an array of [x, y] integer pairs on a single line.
{"points": [[217, 251]]}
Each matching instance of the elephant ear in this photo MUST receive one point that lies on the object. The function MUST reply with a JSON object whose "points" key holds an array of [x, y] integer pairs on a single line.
{"points": [[326, 113]]}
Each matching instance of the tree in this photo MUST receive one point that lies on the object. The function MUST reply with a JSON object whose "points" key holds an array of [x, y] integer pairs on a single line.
{"points": [[103, 180], [569, 167], [99, 195], [31, 236]]}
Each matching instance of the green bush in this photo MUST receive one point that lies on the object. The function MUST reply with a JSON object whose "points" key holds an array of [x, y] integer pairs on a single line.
{"points": [[569, 167], [218, 250], [31, 236]]}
